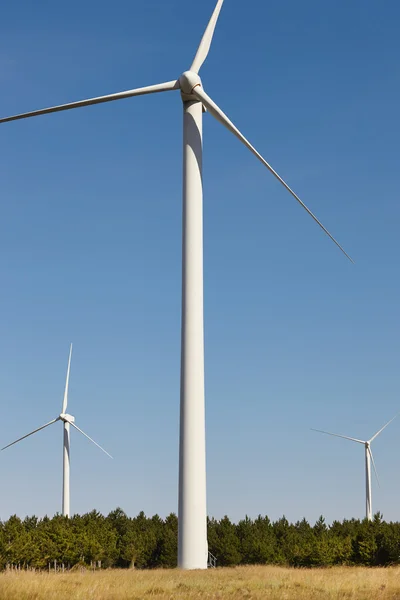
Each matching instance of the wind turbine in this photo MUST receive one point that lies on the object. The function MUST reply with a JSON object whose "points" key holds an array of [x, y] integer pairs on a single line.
{"points": [[192, 515], [368, 458], [67, 420]]}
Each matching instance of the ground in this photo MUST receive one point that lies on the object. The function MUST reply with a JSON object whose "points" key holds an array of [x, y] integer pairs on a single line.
{"points": [[266, 583]]}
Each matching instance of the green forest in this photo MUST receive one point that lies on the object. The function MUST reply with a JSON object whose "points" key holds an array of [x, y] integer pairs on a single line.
{"points": [[117, 540]]}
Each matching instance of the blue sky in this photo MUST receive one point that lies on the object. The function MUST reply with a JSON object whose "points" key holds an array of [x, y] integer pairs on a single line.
{"points": [[90, 243]]}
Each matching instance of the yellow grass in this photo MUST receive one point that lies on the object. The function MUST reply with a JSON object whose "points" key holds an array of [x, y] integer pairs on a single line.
{"points": [[266, 583]]}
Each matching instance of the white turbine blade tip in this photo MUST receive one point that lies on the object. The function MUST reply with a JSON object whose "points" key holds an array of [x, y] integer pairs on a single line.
{"points": [[345, 437], [65, 400], [150, 89], [204, 46], [28, 434], [382, 428], [92, 440], [218, 114], [373, 464]]}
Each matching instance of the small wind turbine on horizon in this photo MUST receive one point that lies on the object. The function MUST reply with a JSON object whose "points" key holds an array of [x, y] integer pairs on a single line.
{"points": [[67, 420], [368, 458], [192, 509]]}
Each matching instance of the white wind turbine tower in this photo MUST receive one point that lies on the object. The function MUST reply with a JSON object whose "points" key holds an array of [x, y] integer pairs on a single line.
{"points": [[192, 537], [67, 420], [368, 458]]}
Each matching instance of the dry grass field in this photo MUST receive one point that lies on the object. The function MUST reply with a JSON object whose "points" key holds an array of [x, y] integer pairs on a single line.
{"points": [[267, 583]]}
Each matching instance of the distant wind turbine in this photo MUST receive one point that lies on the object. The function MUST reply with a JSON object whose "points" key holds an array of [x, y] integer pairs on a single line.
{"points": [[192, 513], [67, 421], [368, 458]]}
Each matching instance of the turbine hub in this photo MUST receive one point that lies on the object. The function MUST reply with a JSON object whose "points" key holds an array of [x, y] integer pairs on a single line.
{"points": [[188, 81], [67, 418]]}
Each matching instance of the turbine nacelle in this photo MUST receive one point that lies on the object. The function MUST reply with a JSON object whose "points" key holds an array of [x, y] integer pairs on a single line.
{"points": [[188, 81], [66, 418]]}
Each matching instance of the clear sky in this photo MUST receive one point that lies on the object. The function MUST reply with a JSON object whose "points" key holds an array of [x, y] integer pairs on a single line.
{"points": [[90, 249]]}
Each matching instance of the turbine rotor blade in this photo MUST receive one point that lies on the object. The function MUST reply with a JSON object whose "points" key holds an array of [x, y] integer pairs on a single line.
{"points": [[373, 464], [384, 427], [31, 433], [204, 46], [222, 118], [65, 401], [345, 437], [89, 438], [150, 89]]}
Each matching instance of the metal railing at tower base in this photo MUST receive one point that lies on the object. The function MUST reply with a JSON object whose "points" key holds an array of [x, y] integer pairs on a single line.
{"points": [[211, 561]]}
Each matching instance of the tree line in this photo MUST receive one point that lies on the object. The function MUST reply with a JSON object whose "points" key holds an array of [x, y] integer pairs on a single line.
{"points": [[117, 540]]}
